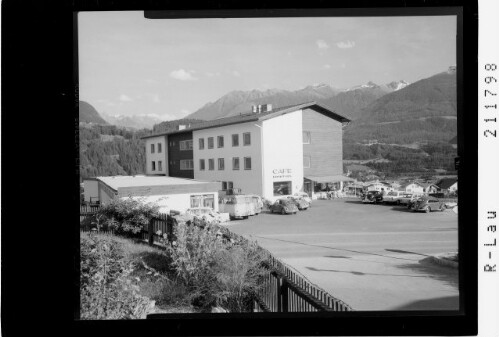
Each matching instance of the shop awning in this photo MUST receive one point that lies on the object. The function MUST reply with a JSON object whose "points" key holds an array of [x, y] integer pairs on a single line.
{"points": [[329, 179]]}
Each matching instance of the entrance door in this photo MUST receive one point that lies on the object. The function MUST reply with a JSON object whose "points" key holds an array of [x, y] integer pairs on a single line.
{"points": [[307, 187]]}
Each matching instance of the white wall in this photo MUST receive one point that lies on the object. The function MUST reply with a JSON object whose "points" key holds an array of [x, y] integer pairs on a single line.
{"points": [[283, 150], [178, 202], [90, 189], [249, 181], [163, 156], [414, 188]]}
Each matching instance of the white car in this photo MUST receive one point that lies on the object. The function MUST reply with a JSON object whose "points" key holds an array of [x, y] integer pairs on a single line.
{"points": [[393, 197], [304, 195]]}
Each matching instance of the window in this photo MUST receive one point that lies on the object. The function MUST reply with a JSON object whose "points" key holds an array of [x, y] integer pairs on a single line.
{"points": [[247, 163], [187, 164], [152, 148], [220, 141], [224, 185], [154, 166], [207, 200], [306, 161], [235, 140], [282, 188], [211, 164], [230, 184], [160, 166], [306, 137], [235, 163], [159, 148], [210, 142], [221, 164], [201, 164], [185, 145], [201, 143], [246, 138]]}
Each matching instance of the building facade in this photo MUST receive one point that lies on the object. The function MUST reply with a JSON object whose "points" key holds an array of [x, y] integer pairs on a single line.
{"points": [[269, 153]]}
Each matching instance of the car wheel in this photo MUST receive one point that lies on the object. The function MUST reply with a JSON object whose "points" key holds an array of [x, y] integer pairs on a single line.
{"points": [[427, 210], [283, 212]]}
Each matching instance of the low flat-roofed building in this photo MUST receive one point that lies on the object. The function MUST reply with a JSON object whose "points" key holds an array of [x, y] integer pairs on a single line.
{"points": [[169, 193]]}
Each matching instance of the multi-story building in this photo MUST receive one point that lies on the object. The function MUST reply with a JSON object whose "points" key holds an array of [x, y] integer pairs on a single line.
{"points": [[266, 152]]}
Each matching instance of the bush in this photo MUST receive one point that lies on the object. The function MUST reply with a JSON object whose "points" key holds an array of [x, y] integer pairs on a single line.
{"points": [[218, 272], [238, 273], [127, 216], [106, 293]]}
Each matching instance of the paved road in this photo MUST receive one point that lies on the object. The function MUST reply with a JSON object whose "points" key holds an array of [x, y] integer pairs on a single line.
{"points": [[366, 255]]}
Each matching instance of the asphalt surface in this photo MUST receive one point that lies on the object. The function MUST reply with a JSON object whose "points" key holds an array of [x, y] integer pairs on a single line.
{"points": [[369, 256]]}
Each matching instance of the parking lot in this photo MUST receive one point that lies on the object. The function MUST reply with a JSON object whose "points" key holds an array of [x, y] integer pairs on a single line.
{"points": [[369, 256]]}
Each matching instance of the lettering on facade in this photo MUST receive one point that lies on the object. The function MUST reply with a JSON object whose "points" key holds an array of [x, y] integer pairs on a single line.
{"points": [[282, 173]]}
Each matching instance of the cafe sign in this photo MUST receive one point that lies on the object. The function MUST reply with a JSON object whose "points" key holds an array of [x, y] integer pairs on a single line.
{"points": [[281, 173]]}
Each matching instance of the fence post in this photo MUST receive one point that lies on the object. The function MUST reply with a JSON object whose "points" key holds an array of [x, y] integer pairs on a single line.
{"points": [[150, 232], [279, 293], [284, 292]]}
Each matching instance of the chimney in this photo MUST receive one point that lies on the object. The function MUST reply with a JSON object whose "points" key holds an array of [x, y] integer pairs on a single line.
{"points": [[181, 127]]}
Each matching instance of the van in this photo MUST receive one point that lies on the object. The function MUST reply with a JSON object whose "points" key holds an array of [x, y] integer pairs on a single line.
{"points": [[238, 206]]}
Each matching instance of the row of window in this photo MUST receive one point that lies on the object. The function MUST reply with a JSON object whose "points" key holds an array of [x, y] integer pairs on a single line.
{"points": [[159, 148], [187, 145], [188, 164], [220, 141], [221, 164], [160, 165]]}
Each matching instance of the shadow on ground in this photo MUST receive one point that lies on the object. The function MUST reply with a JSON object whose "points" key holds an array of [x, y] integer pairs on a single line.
{"points": [[440, 303], [359, 273], [447, 275]]}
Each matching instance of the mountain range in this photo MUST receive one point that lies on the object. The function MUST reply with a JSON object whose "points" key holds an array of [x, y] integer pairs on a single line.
{"points": [[135, 121], [347, 102]]}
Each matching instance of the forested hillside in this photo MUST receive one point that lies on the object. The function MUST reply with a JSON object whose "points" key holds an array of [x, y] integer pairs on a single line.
{"points": [[109, 150]]}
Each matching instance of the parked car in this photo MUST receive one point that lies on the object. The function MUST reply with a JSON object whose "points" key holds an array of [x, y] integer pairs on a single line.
{"points": [[299, 202], [238, 206], [428, 204], [257, 204], [305, 197], [408, 198], [373, 197], [393, 197], [283, 206]]}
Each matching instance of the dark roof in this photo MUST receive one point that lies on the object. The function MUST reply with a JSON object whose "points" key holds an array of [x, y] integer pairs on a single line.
{"points": [[250, 117], [445, 183]]}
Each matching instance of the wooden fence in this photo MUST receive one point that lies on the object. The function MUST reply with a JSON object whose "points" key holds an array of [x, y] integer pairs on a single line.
{"points": [[283, 289]]}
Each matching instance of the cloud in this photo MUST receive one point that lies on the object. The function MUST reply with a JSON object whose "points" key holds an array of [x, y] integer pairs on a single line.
{"points": [[345, 45], [327, 66], [321, 44], [235, 73], [185, 112], [182, 75], [125, 98], [210, 74]]}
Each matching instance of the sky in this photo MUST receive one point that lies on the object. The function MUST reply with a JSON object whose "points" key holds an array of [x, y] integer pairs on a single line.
{"points": [[169, 68]]}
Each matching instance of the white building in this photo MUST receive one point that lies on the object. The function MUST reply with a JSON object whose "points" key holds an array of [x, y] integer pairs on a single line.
{"points": [[167, 192], [269, 153]]}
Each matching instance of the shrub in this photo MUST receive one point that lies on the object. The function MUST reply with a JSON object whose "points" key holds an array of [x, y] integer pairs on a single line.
{"points": [[218, 272], [238, 272], [127, 216], [106, 292]]}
